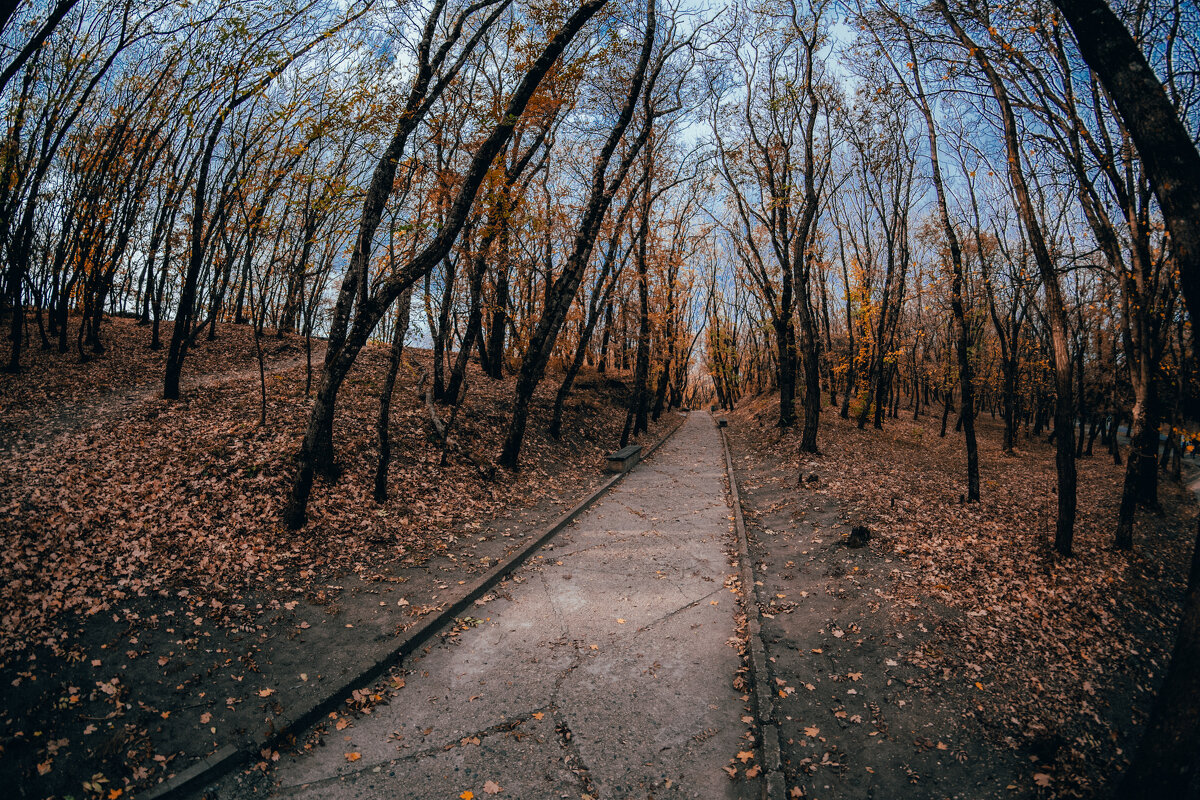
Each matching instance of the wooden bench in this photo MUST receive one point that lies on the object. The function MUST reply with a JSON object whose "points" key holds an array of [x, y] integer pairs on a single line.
{"points": [[624, 459]]}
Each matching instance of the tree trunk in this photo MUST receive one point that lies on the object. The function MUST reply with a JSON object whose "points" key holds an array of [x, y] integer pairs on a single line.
{"points": [[496, 331], [385, 407], [1143, 451]]}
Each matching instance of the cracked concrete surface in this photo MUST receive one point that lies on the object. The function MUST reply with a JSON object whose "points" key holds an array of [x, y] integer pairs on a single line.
{"points": [[602, 669]]}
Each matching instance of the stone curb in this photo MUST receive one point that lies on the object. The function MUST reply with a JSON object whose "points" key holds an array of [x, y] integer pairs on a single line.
{"points": [[229, 756], [774, 785]]}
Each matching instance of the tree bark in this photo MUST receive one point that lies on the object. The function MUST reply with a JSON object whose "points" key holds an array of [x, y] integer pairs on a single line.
{"points": [[385, 403]]}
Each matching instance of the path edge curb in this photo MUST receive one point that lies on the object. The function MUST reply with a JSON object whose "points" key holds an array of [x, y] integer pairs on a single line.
{"points": [[192, 778], [774, 785]]}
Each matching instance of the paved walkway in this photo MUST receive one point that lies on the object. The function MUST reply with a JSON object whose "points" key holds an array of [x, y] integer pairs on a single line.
{"points": [[603, 669]]}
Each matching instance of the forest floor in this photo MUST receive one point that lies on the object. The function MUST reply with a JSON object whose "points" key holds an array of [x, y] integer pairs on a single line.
{"points": [[953, 656], [154, 607]]}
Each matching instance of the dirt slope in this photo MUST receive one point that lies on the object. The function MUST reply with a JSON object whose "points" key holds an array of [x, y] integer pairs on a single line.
{"points": [[153, 606]]}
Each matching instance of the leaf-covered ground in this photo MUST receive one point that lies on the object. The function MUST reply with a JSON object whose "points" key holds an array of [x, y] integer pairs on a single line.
{"points": [[954, 656], [154, 607]]}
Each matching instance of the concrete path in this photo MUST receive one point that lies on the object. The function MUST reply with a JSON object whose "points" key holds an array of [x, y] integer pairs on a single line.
{"points": [[604, 668]]}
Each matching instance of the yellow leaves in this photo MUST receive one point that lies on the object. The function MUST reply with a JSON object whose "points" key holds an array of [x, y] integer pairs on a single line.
{"points": [[265, 692], [352, 757], [744, 756], [812, 731], [538, 715], [43, 768], [467, 795]]}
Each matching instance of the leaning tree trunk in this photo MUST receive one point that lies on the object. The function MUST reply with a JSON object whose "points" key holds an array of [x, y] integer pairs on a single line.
{"points": [[640, 402], [474, 323], [181, 332]]}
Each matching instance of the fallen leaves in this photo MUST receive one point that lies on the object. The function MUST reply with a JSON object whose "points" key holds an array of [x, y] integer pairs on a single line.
{"points": [[352, 757], [122, 511], [981, 616]]}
